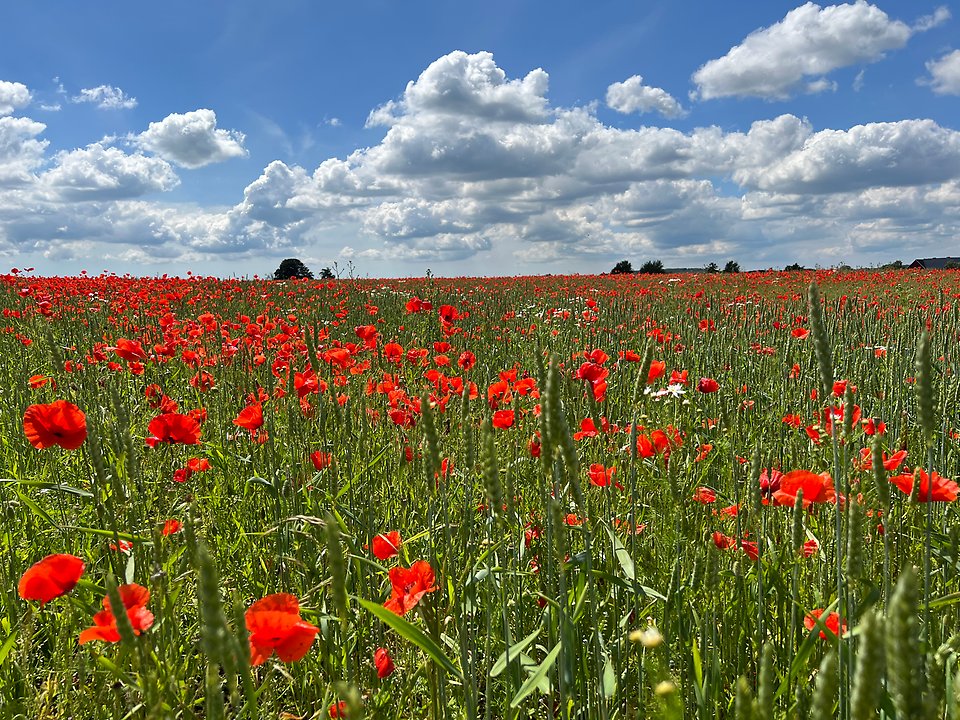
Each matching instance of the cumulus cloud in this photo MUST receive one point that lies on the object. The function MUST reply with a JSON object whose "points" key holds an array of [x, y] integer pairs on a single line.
{"points": [[106, 97], [897, 154], [776, 61], [107, 173], [945, 74], [20, 149], [632, 95], [192, 139], [479, 170], [13, 95]]}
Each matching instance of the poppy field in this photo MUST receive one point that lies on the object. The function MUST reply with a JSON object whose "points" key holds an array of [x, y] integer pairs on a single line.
{"points": [[623, 496]]}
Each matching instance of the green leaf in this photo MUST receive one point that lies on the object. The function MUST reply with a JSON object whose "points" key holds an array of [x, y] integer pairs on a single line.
{"points": [[7, 644], [609, 681], [414, 634], [514, 652], [623, 557], [537, 677]]}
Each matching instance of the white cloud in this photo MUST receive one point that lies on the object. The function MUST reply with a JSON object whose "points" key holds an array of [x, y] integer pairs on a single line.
{"points": [[632, 95], [107, 173], [106, 97], [20, 150], [481, 172], [13, 95], [945, 74], [809, 42], [897, 154], [192, 139], [928, 22]]}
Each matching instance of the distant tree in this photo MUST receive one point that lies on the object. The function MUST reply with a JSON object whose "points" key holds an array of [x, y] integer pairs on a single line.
{"points": [[327, 274], [621, 268], [951, 265], [711, 267], [652, 266], [731, 267], [795, 267], [292, 268]]}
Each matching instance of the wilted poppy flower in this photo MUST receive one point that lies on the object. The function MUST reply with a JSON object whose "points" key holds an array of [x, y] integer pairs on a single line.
{"points": [[831, 622], [135, 598], [409, 585], [708, 385], [383, 663], [50, 578], [386, 545], [942, 490], [58, 423], [173, 428], [274, 624], [816, 488]]}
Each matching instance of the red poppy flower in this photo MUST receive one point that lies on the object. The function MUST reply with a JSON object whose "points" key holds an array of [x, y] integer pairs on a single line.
{"points": [[135, 599], [800, 333], [943, 490], [383, 663], [130, 350], [409, 585], [816, 488], [274, 624], [890, 463], [50, 578], [503, 419], [810, 548], [339, 709], [657, 369], [831, 622], [723, 542], [386, 545], [704, 495], [466, 360], [321, 460], [173, 428], [170, 527], [704, 450], [708, 385], [250, 418], [600, 475], [59, 423]]}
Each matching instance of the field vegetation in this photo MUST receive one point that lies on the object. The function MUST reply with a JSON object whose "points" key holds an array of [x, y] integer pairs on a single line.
{"points": [[626, 496]]}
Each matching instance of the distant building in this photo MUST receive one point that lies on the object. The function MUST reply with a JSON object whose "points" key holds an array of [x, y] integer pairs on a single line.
{"points": [[941, 263]]}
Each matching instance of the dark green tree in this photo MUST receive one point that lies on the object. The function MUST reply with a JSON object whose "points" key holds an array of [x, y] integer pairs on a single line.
{"points": [[327, 274], [731, 267], [292, 268], [652, 266], [622, 267], [795, 267], [711, 267]]}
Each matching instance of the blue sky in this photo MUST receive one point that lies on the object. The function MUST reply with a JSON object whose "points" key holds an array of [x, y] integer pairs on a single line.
{"points": [[502, 138]]}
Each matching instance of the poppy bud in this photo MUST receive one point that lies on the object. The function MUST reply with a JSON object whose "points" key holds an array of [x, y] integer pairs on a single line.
{"points": [[384, 663]]}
